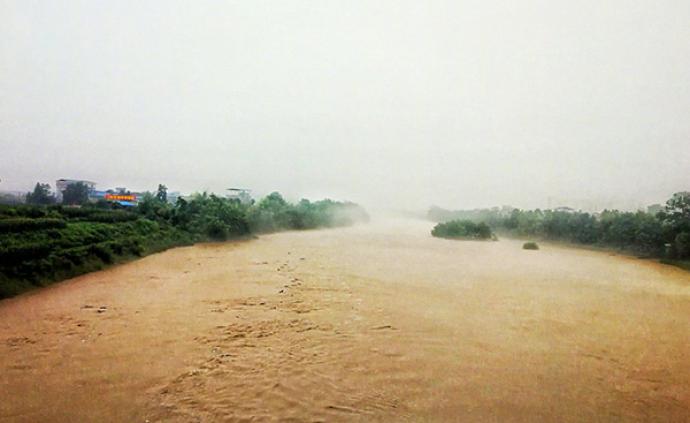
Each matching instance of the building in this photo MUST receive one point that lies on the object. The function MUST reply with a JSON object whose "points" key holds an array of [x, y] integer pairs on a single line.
{"points": [[565, 209], [62, 184], [242, 195], [173, 196]]}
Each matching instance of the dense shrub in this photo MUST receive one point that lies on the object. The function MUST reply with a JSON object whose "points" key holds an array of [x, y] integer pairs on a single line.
{"points": [[216, 230], [273, 214], [11, 253], [207, 216], [23, 211], [682, 245], [113, 216], [21, 224], [103, 251], [462, 229], [75, 212]]}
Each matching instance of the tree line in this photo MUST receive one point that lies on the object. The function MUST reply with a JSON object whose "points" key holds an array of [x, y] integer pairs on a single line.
{"points": [[74, 194], [664, 234]]}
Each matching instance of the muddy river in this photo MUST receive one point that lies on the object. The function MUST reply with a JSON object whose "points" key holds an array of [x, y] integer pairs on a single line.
{"points": [[378, 322]]}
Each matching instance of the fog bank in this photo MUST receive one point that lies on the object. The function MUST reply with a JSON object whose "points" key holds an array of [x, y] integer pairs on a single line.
{"points": [[394, 104]]}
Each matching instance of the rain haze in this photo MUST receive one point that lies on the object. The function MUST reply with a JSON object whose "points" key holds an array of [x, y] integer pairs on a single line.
{"points": [[392, 104], [344, 211]]}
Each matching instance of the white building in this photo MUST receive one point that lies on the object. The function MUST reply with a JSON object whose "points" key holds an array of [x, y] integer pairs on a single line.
{"points": [[240, 194]]}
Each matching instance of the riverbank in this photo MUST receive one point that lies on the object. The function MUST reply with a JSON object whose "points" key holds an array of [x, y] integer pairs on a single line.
{"points": [[40, 245]]}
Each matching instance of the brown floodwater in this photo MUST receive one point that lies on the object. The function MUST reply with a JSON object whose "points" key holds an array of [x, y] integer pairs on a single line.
{"points": [[377, 322]]}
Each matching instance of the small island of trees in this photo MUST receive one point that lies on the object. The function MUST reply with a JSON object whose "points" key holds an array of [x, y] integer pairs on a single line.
{"points": [[463, 229]]}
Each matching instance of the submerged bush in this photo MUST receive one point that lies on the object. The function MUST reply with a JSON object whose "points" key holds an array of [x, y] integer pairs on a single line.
{"points": [[530, 246], [462, 229]]}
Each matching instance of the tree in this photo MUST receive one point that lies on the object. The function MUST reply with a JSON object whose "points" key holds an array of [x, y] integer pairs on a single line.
{"points": [[162, 193], [41, 195], [273, 201], [75, 194], [271, 214], [154, 208], [682, 245], [677, 212]]}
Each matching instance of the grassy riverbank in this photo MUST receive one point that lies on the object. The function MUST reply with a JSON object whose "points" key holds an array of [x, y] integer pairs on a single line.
{"points": [[43, 244]]}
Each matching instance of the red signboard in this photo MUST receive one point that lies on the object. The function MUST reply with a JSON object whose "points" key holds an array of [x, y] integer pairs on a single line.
{"points": [[120, 197]]}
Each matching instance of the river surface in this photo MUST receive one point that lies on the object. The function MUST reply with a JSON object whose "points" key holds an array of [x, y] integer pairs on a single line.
{"points": [[377, 322]]}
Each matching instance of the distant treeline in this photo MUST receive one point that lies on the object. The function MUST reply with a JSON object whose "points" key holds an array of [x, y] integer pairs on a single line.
{"points": [[43, 244], [664, 234]]}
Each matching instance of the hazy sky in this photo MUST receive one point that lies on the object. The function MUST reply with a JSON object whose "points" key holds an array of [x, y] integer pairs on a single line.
{"points": [[398, 103]]}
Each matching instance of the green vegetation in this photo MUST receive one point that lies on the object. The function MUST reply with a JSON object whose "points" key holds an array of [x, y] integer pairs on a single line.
{"points": [[531, 245], [273, 214], [162, 193], [663, 234], [41, 195], [462, 229], [43, 244], [75, 194]]}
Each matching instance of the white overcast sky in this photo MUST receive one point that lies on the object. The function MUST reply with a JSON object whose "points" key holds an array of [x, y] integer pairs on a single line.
{"points": [[390, 103]]}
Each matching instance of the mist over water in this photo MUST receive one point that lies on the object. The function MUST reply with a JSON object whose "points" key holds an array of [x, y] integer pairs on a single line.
{"points": [[393, 104]]}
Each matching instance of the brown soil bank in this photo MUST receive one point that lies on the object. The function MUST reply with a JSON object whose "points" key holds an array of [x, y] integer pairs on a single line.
{"points": [[372, 323]]}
